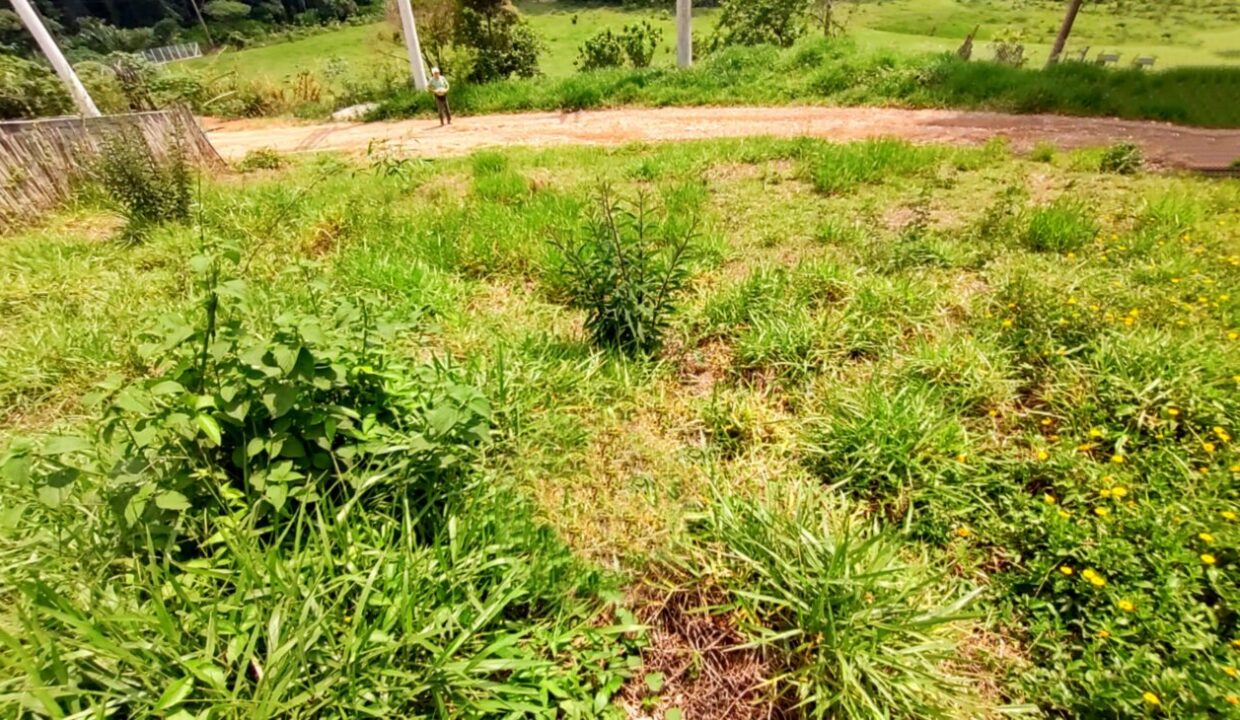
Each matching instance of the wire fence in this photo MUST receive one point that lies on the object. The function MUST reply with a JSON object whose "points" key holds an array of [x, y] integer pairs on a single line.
{"points": [[171, 53]]}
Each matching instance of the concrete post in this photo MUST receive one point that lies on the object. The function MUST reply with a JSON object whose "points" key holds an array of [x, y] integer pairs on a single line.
{"points": [[684, 33], [47, 44], [412, 46]]}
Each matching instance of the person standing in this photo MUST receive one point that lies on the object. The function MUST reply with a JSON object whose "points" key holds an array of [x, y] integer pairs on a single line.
{"points": [[439, 88]]}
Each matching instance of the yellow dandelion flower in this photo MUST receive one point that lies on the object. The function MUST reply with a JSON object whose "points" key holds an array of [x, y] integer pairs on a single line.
{"points": [[1234, 468], [1206, 537], [1048, 499], [1151, 698], [1103, 634], [1119, 491], [1233, 335], [1066, 569], [1175, 280], [961, 457], [1105, 492], [963, 532], [1233, 700], [1126, 605], [1208, 559], [1230, 671], [1101, 511], [1042, 455], [1117, 459], [1228, 515], [1095, 432], [1236, 643], [1007, 323], [1208, 447], [1065, 514], [1173, 412], [1046, 421]]}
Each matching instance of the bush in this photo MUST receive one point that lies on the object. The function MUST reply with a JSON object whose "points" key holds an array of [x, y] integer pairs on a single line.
{"points": [[625, 271], [640, 40], [603, 50], [505, 44], [1064, 226], [146, 189], [761, 22], [248, 424], [1043, 152], [260, 159], [28, 89], [1121, 158]]}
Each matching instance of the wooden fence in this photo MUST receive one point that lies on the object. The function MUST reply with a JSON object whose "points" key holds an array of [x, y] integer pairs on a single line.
{"points": [[42, 160]]}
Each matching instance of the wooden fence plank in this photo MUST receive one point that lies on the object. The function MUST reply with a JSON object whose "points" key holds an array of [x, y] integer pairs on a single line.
{"points": [[42, 160]]}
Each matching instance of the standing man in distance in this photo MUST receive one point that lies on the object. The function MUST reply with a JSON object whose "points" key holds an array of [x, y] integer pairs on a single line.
{"points": [[439, 88]]}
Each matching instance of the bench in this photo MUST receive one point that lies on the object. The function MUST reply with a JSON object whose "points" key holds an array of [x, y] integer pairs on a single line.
{"points": [[1080, 55], [1107, 58], [1144, 62]]}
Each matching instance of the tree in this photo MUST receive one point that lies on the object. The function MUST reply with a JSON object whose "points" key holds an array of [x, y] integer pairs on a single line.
{"points": [[1065, 29]]}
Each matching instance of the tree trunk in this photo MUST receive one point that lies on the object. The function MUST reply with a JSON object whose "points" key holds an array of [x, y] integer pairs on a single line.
{"points": [[1074, 7]]}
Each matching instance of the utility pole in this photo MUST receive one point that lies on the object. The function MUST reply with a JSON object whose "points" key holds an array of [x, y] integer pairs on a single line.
{"points": [[206, 30], [1069, 18], [684, 33], [412, 46], [47, 44]]}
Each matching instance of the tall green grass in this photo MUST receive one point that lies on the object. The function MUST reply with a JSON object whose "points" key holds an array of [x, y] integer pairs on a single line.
{"points": [[837, 72]]}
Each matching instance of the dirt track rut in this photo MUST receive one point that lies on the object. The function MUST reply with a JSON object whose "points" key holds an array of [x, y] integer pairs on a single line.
{"points": [[1164, 144]]}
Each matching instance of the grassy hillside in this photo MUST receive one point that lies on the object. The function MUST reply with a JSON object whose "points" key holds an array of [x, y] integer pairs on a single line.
{"points": [[1192, 32], [945, 432]]}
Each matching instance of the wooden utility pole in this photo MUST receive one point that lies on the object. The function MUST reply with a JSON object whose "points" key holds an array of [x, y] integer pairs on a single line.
{"points": [[1069, 18], [412, 46], [47, 44], [684, 33], [201, 21]]}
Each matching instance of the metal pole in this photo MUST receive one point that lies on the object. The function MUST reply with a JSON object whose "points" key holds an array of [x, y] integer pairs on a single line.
{"points": [[412, 46], [684, 33], [47, 44]]}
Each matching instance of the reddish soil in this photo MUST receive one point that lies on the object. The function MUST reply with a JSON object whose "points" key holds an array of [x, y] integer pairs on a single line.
{"points": [[1165, 145]]}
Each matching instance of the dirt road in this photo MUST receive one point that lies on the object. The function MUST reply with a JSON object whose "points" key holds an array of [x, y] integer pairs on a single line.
{"points": [[1164, 144]]}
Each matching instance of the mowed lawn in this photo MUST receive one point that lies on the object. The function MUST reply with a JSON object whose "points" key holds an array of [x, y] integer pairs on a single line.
{"points": [[1191, 32]]}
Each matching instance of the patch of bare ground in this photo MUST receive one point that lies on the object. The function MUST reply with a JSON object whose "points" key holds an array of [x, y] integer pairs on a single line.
{"points": [[985, 657], [700, 368], [707, 672]]}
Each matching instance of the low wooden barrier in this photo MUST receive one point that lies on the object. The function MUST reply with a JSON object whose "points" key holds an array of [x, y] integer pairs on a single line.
{"points": [[42, 160]]}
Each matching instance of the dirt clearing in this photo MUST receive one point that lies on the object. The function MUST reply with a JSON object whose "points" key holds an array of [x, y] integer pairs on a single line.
{"points": [[1164, 144]]}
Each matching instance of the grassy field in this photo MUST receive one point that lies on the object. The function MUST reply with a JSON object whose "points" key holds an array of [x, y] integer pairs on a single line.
{"points": [[1196, 32], [946, 432]]}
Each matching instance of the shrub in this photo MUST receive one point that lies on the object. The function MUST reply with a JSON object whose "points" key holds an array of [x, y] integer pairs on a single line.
{"points": [[250, 424], [1009, 49], [506, 46], [28, 89], [839, 607], [1121, 158], [603, 50], [1043, 152], [640, 41], [625, 271], [1062, 226], [145, 188], [761, 22], [260, 159]]}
